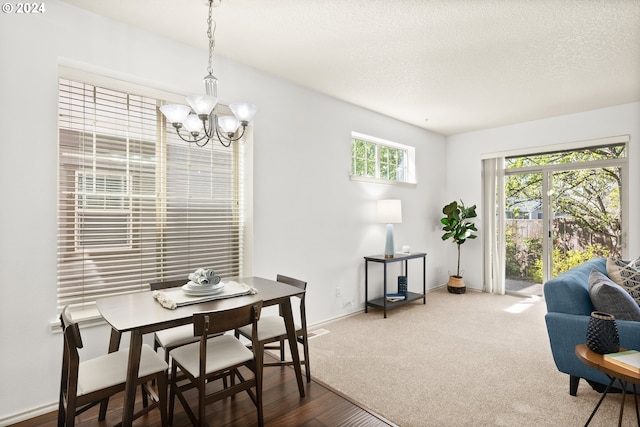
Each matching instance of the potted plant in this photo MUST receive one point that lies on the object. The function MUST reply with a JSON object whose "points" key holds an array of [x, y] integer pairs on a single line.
{"points": [[457, 227]]}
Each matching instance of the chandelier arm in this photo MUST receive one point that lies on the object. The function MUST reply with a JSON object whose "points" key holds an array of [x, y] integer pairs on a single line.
{"points": [[196, 140], [228, 144], [222, 135], [203, 144], [210, 132]]}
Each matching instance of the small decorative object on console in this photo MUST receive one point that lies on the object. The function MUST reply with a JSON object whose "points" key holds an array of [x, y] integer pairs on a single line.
{"points": [[396, 297], [602, 333]]}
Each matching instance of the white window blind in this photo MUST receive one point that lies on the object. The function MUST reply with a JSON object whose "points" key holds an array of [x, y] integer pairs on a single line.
{"points": [[135, 203]]}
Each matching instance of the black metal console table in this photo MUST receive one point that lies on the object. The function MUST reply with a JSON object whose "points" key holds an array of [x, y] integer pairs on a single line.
{"points": [[411, 296]]}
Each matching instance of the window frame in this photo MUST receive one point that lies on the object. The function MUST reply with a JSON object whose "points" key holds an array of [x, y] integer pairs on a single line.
{"points": [[225, 214], [379, 145]]}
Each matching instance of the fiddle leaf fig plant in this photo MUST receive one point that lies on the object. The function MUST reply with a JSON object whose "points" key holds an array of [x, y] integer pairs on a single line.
{"points": [[456, 225]]}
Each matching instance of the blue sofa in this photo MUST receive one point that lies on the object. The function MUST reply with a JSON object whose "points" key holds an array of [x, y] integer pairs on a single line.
{"points": [[569, 308]]}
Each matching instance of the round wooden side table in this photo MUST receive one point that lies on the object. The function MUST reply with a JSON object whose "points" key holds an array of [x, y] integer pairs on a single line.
{"points": [[614, 372]]}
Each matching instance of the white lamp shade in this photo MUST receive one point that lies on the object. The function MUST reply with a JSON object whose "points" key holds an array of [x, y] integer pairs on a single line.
{"points": [[243, 111], [390, 211], [202, 104], [192, 123], [228, 124], [175, 113]]}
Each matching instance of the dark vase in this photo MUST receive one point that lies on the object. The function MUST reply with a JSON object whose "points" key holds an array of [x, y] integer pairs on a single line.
{"points": [[602, 333]]}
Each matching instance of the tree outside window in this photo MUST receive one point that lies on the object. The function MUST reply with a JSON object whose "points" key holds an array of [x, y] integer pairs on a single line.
{"points": [[372, 158]]}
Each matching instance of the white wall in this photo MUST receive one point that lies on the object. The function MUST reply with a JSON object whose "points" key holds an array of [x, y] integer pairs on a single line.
{"points": [[310, 220], [464, 165]]}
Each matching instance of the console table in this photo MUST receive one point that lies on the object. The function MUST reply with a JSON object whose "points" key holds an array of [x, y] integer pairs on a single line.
{"points": [[411, 296]]}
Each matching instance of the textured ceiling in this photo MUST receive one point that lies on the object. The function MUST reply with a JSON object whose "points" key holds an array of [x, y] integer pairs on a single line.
{"points": [[462, 64]]}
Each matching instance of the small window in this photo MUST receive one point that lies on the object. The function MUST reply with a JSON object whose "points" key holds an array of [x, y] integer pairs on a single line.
{"points": [[374, 159], [103, 211]]}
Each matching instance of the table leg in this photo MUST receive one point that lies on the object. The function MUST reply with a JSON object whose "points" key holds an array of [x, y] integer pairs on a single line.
{"points": [[366, 286], [624, 395], [114, 345], [635, 397], [135, 349], [287, 313], [600, 401], [424, 279], [384, 294]]}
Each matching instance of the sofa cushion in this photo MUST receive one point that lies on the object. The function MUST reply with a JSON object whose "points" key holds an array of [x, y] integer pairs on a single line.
{"points": [[626, 274], [609, 297]]}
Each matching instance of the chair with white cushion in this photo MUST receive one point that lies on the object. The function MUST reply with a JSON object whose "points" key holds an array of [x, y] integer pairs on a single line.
{"points": [[175, 337], [273, 332], [215, 358], [86, 384]]}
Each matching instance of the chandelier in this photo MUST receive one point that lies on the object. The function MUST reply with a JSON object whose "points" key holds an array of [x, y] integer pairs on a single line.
{"points": [[201, 115]]}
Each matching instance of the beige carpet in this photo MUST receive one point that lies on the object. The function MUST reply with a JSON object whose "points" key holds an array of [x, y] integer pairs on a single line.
{"points": [[460, 360]]}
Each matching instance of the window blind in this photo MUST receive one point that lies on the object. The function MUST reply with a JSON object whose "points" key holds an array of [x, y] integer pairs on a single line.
{"points": [[136, 204]]}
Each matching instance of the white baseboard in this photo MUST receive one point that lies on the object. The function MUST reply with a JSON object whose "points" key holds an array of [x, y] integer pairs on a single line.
{"points": [[26, 415]]}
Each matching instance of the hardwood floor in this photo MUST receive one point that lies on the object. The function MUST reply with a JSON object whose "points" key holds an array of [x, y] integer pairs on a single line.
{"points": [[282, 407]]}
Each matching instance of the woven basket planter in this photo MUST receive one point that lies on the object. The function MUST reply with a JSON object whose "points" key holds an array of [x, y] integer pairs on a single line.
{"points": [[456, 285]]}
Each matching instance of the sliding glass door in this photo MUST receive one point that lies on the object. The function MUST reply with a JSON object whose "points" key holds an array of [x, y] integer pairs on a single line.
{"points": [[561, 209], [524, 223]]}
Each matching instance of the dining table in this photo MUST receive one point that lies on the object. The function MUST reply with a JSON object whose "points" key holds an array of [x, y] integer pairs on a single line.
{"points": [[140, 313]]}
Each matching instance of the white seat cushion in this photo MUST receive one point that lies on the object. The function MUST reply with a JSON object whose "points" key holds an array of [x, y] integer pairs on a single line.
{"points": [[111, 369], [268, 327], [222, 352], [174, 337]]}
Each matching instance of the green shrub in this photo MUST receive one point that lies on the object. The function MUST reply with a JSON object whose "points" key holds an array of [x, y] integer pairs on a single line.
{"points": [[565, 260]]}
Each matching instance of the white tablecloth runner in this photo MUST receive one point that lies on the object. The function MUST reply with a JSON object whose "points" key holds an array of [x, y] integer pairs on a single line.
{"points": [[175, 297]]}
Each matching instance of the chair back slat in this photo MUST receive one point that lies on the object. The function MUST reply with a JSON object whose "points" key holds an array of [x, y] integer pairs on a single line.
{"points": [[291, 281], [174, 283], [214, 322], [298, 284], [70, 329]]}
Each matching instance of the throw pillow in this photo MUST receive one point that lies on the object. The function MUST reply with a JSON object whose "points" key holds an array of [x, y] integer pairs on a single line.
{"points": [[626, 274], [608, 297]]}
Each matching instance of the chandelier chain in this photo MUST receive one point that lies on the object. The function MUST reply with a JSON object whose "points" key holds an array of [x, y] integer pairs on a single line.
{"points": [[201, 114], [210, 35]]}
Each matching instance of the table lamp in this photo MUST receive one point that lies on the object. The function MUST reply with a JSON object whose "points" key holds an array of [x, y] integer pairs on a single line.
{"points": [[389, 212]]}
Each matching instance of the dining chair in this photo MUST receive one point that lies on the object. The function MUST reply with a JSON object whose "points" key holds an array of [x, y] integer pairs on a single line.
{"points": [[171, 338], [87, 383], [273, 332], [218, 357]]}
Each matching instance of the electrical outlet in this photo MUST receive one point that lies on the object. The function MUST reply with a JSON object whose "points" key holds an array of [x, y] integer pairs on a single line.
{"points": [[338, 292]]}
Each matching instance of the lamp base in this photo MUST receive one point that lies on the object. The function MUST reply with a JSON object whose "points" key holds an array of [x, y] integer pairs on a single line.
{"points": [[389, 250]]}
